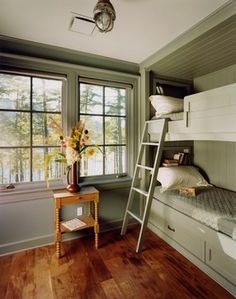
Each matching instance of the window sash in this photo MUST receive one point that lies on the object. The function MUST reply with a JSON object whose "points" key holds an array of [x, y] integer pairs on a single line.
{"points": [[105, 84], [32, 112]]}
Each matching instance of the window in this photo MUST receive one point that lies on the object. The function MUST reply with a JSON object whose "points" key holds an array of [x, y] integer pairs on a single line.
{"points": [[103, 109], [29, 108]]}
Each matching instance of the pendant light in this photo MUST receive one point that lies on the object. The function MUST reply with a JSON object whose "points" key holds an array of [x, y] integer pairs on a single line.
{"points": [[104, 15]]}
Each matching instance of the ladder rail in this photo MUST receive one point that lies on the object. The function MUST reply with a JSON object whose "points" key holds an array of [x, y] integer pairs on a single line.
{"points": [[149, 194], [134, 180], [152, 186]]}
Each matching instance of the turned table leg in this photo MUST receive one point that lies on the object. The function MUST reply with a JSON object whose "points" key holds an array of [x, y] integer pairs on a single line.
{"points": [[96, 225], [58, 233]]}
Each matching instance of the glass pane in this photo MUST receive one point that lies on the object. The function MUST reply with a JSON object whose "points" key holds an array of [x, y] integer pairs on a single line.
{"points": [[55, 169], [92, 165], [14, 165], [115, 101], [14, 128], [115, 161], [44, 131], [47, 95], [14, 92], [90, 99], [95, 128], [115, 130]]}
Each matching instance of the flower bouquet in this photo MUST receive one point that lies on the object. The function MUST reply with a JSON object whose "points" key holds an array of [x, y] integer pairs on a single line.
{"points": [[72, 148]]}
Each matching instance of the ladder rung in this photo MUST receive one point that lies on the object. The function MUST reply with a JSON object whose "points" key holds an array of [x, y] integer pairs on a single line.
{"points": [[150, 143], [145, 167], [143, 218], [153, 120], [140, 191], [135, 216]]}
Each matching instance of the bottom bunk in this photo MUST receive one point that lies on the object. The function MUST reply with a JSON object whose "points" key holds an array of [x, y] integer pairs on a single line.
{"points": [[202, 228]]}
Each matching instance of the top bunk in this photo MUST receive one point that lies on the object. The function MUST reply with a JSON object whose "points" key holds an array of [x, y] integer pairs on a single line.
{"points": [[208, 115]]}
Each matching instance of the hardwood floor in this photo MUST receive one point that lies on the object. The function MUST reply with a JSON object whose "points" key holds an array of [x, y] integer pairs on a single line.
{"points": [[112, 271]]}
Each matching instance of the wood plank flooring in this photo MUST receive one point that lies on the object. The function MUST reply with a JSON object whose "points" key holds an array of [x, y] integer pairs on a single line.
{"points": [[112, 271]]}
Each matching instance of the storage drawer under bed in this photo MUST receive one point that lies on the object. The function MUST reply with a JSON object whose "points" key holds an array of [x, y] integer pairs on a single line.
{"points": [[184, 230]]}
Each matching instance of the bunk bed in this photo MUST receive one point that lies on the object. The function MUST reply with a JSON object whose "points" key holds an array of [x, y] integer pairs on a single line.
{"points": [[208, 115], [203, 228]]}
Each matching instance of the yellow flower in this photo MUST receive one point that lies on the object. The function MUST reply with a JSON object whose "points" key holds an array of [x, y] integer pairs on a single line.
{"points": [[73, 144], [90, 151]]}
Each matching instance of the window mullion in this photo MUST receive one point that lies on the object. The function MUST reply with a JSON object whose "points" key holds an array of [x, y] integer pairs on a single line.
{"points": [[115, 152], [31, 128], [104, 139], [21, 103]]}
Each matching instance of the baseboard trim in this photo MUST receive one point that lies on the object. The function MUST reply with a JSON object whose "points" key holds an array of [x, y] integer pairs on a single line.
{"points": [[13, 247], [197, 262], [27, 244]]}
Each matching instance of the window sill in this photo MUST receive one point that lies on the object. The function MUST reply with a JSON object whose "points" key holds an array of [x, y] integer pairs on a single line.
{"points": [[39, 190], [109, 183], [30, 191]]}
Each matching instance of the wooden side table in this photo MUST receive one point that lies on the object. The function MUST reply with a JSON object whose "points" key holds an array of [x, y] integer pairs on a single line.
{"points": [[64, 197]]}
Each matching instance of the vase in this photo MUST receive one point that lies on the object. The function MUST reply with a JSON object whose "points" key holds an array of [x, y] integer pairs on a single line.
{"points": [[72, 178]]}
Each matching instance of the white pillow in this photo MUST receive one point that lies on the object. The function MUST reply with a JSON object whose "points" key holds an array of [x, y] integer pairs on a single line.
{"points": [[164, 104], [180, 176]]}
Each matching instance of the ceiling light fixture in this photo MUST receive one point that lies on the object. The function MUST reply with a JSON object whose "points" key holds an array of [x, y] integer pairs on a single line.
{"points": [[104, 15]]}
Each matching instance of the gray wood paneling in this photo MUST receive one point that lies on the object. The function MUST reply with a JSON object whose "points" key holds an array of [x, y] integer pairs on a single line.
{"points": [[217, 158], [212, 51], [216, 79]]}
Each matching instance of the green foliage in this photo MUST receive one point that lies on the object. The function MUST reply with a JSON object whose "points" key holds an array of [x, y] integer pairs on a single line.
{"points": [[92, 99], [15, 92]]}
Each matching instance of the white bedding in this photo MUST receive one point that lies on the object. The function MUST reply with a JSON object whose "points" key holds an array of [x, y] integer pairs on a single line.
{"points": [[165, 104]]}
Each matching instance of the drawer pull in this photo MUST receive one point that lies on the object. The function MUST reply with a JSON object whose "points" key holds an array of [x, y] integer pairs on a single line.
{"points": [[210, 257], [170, 228]]}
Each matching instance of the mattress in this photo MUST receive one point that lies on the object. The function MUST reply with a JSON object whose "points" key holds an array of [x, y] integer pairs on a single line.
{"points": [[171, 116], [214, 207]]}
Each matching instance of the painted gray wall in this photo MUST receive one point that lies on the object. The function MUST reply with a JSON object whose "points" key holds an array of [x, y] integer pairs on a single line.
{"points": [[218, 159], [30, 222]]}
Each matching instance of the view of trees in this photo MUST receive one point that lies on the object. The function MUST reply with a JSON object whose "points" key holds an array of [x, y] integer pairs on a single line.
{"points": [[104, 111], [28, 105]]}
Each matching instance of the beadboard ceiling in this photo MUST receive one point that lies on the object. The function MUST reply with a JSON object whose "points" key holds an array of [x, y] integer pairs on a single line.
{"points": [[142, 27], [212, 51]]}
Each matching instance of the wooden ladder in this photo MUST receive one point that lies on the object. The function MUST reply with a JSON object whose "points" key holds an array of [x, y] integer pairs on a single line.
{"points": [[148, 195]]}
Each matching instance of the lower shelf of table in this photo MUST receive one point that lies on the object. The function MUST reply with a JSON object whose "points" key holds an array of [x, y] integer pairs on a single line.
{"points": [[89, 220]]}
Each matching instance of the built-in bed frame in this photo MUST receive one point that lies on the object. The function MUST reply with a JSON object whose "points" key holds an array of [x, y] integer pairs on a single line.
{"points": [[209, 115]]}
